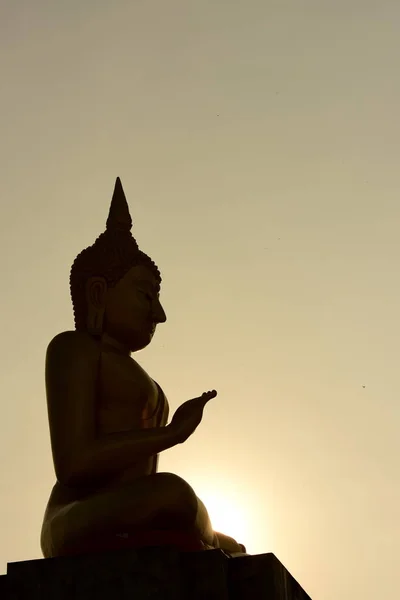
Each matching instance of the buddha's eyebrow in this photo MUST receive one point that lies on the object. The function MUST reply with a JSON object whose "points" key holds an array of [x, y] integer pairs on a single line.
{"points": [[146, 283]]}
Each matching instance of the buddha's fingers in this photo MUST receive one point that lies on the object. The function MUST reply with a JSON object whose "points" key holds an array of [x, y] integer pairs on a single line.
{"points": [[209, 395]]}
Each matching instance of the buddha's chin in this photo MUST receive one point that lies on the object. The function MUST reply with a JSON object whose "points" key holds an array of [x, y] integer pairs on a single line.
{"points": [[132, 339], [141, 343]]}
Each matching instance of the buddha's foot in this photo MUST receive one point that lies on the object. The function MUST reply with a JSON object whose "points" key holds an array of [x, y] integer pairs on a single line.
{"points": [[228, 544]]}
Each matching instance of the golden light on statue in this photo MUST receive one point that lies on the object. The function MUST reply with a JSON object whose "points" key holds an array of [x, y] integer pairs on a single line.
{"points": [[109, 419]]}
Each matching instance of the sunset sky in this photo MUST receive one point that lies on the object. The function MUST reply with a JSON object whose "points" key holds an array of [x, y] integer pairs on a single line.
{"points": [[258, 143]]}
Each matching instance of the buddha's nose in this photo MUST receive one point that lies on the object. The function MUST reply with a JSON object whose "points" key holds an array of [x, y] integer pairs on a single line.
{"points": [[159, 313]]}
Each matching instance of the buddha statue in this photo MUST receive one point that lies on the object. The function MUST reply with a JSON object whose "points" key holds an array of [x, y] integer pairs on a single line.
{"points": [[109, 419]]}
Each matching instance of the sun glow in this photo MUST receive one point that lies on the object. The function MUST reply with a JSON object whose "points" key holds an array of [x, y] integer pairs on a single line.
{"points": [[228, 514]]}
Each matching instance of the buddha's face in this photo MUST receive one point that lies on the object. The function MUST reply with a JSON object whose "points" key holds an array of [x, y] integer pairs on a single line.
{"points": [[133, 309]]}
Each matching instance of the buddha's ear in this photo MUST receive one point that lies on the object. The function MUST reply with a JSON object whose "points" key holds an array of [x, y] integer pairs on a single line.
{"points": [[96, 292]]}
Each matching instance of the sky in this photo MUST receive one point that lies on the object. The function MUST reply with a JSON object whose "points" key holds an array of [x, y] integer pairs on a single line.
{"points": [[258, 144]]}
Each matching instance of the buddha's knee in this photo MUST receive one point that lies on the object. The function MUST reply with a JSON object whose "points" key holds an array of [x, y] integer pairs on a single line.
{"points": [[178, 497]]}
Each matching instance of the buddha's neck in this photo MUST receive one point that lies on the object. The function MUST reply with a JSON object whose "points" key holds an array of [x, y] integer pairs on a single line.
{"points": [[115, 345]]}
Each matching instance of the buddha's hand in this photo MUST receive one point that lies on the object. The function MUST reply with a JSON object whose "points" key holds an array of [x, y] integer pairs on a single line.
{"points": [[188, 416]]}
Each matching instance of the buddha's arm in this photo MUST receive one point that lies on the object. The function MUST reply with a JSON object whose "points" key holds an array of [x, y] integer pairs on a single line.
{"points": [[80, 456]]}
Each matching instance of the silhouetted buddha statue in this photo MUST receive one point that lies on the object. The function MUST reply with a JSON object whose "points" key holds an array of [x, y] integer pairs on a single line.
{"points": [[108, 418]]}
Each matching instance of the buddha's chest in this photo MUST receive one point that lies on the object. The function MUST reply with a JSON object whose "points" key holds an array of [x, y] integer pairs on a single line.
{"points": [[127, 398]]}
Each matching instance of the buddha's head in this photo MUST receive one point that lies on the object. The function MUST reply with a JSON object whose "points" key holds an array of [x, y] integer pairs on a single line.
{"points": [[114, 285]]}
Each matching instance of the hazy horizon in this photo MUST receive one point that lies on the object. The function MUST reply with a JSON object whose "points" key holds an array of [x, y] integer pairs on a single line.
{"points": [[258, 146]]}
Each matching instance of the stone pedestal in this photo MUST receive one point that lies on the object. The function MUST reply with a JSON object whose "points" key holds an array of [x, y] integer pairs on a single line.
{"points": [[152, 573]]}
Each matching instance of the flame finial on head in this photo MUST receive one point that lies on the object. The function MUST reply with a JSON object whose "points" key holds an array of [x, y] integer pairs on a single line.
{"points": [[119, 218]]}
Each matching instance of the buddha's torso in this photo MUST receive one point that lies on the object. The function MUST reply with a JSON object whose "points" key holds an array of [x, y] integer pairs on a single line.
{"points": [[128, 399]]}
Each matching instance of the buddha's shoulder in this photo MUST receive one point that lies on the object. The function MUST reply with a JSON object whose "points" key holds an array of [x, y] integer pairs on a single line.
{"points": [[72, 343]]}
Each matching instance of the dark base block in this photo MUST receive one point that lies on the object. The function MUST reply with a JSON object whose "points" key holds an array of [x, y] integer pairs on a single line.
{"points": [[151, 573]]}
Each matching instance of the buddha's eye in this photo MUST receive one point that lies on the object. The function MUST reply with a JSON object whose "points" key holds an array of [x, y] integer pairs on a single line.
{"points": [[148, 296]]}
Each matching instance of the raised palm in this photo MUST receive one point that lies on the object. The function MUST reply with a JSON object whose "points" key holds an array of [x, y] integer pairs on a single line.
{"points": [[188, 416]]}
